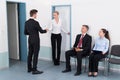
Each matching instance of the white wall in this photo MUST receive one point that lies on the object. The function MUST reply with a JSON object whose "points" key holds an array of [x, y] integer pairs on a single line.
{"points": [[96, 13], [44, 17], [3, 36], [3, 28]]}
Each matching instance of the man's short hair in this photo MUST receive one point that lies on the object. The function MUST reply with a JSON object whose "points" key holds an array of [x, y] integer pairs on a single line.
{"points": [[32, 12], [86, 26]]}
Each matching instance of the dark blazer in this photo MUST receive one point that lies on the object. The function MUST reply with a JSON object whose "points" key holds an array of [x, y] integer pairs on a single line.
{"points": [[86, 44], [32, 28]]}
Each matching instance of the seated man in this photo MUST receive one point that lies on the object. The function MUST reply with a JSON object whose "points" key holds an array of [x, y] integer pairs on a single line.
{"points": [[82, 48]]}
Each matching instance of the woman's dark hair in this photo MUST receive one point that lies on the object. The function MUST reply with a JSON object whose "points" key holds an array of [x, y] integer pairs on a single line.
{"points": [[32, 12], [106, 33]]}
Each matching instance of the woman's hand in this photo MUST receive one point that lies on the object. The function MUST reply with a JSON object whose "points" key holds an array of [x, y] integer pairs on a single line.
{"points": [[47, 29], [103, 53]]}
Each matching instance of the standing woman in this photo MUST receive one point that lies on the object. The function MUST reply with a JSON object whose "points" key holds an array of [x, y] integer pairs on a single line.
{"points": [[99, 51], [56, 38]]}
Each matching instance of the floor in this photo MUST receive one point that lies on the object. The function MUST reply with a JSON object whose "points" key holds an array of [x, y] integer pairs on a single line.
{"points": [[17, 71]]}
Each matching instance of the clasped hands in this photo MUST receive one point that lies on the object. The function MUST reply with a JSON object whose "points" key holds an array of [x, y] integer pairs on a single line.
{"points": [[78, 49]]}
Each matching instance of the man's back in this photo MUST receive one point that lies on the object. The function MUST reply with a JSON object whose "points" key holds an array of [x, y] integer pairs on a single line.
{"points": [[31, 27]]}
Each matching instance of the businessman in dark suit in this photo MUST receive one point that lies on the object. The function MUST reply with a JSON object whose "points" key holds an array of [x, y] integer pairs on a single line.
{"points": [[32, 28], [81, 48]]}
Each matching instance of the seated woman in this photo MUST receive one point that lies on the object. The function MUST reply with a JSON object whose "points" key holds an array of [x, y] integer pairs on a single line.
{"points": [[100, 49]]}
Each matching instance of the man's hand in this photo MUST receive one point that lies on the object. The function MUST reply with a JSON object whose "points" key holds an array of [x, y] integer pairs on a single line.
{"points": [[77, 49], [47, 30]]}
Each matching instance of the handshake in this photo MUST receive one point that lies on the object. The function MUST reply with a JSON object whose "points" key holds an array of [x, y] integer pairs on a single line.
{"points": [[77, 49], [47, 29]]}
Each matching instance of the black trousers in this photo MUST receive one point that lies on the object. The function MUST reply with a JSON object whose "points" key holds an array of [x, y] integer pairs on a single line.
{"points": [[79, 56], [34, 47], [56, 40], [94, 59]]}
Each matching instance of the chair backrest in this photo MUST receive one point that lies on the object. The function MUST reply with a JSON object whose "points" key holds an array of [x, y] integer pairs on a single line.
{"points": [[115, 50]]}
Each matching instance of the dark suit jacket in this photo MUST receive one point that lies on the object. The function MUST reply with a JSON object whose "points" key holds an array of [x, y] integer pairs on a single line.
{"points": [[32, 28], [86, 44]]}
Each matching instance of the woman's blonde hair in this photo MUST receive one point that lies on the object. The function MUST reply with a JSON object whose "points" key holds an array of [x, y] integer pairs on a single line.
{"points": [[56, 12]]}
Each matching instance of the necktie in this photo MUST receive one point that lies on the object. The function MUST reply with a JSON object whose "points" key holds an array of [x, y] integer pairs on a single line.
{"points": [[80, 41]]}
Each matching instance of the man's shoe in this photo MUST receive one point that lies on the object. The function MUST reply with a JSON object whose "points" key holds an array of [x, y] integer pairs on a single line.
{"points": [[67, 70], [77, 73], [57, 64], [29, 71], [37, 72]]}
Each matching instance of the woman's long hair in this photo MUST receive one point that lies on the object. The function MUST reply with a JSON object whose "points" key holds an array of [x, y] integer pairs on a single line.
{"points": [[106, 32]]}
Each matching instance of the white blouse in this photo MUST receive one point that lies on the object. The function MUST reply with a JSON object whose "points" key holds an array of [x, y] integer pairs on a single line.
{"points": [[56, 28]]}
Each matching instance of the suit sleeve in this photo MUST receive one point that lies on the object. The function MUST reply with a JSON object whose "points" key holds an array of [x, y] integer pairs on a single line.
{"points": [[88, 44], [25, 30], [40, 29], [75, 44]]}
